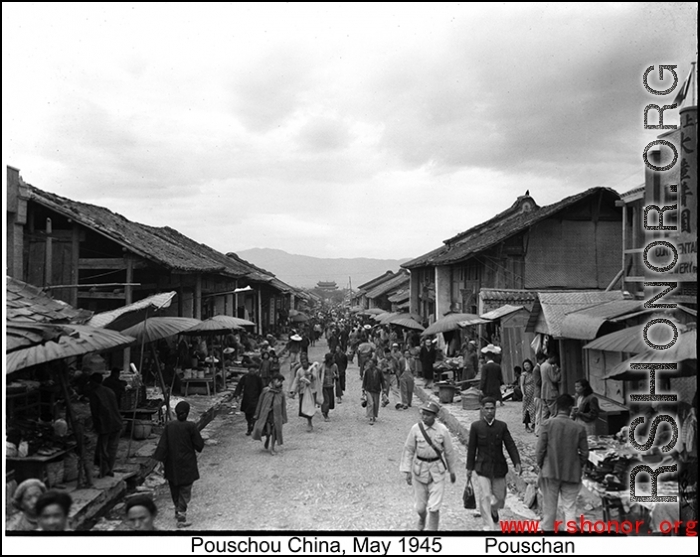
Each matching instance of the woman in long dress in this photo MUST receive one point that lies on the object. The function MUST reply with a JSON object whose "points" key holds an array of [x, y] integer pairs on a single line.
{"points": [[527, 386]]}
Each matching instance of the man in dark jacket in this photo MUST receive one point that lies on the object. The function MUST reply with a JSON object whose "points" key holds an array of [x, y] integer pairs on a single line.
{"points": [[427, 360], [176, 450], [341, 360], [491, 374], [107, 422], [251, 386], [485, 457], [373, 384]]}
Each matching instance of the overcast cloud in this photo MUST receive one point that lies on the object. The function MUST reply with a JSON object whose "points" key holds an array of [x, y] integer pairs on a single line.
{"points": [[331, 130]]}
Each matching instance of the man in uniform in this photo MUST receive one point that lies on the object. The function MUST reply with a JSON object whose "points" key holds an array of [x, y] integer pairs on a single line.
{"points": [[485, 456], [426, 463]]}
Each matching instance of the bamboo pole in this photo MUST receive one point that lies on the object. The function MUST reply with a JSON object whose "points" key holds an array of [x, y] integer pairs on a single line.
{"points": [[136, 402], [166, 394]]}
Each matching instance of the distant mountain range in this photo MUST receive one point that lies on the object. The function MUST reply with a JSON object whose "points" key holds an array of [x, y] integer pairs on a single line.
{"points": [[305, 271]]}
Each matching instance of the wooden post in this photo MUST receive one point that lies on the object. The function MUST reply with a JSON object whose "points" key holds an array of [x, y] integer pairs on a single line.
{"points": [[259, 319], [75, 257], [48, 255], [198, 297], [84, 469], [128, 295], [166, 394]]}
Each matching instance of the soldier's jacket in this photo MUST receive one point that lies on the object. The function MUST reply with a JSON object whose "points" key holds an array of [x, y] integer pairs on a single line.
{"points": [[417, 448]]}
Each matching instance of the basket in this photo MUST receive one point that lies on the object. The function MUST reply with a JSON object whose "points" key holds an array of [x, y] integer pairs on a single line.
{"points": [[55, 472], [470, 399], [142, 429]]}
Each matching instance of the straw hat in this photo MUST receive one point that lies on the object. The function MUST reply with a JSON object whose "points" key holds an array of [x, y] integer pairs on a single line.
{"points": [[491, 349]]}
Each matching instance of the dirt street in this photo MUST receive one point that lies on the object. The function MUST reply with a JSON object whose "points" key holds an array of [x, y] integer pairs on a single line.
{"points": [[342, 476]]}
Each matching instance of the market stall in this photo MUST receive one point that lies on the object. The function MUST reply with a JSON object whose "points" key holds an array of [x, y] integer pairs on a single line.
{"points": [[607, 475], [38, 448]]}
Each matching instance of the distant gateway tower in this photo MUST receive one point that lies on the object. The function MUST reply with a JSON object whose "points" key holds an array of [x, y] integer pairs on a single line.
{"points": [[328, 286]]}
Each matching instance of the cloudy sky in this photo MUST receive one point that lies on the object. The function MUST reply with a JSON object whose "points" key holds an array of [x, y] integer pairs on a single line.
{"points": [[331, 130]]}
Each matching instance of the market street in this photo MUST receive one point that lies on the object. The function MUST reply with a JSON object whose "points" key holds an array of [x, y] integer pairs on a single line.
{"points": [[343, 476]]}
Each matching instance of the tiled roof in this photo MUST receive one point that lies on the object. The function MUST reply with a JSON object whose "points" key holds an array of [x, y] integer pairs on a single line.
{"points": [[400, 296], [163, 245], [399, 281], [26, 302], [367, 286], [495, 230]]}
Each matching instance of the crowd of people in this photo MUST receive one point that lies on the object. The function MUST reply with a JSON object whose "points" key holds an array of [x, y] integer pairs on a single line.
{"points": [[389, 359]]}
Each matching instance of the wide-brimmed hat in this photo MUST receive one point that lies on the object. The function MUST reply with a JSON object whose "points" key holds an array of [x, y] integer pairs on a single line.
{"points": [[296, 338], [368, 326], [491, 349], [229, 350], [431, 406]]}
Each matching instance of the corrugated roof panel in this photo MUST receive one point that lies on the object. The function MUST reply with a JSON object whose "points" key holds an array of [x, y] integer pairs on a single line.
{"points": [[584, 324]]}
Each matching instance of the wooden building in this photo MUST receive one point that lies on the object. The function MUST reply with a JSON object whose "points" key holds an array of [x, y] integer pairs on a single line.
{"points": [[360, 295], [93, 258], [572, 244], [379, 295]]}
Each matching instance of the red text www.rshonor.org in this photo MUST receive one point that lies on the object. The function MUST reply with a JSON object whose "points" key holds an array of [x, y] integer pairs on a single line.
{"points": [[596, 526]]}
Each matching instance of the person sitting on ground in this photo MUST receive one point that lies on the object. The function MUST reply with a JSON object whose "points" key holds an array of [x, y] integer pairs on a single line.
{"points": [[52, 510], [141, 512]]}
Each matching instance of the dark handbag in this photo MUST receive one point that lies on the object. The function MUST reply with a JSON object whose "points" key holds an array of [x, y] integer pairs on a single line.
{"points": [[468, 496]]}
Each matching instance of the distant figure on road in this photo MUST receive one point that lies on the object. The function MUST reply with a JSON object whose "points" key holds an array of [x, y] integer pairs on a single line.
{"points": [[491, 374], [365, 351], [271, 414], [373, 384], [406, 381], [427, 359], [341, 360], [306, 385], [329, 377], [251, 386], [176, 450], [428, 456]]}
